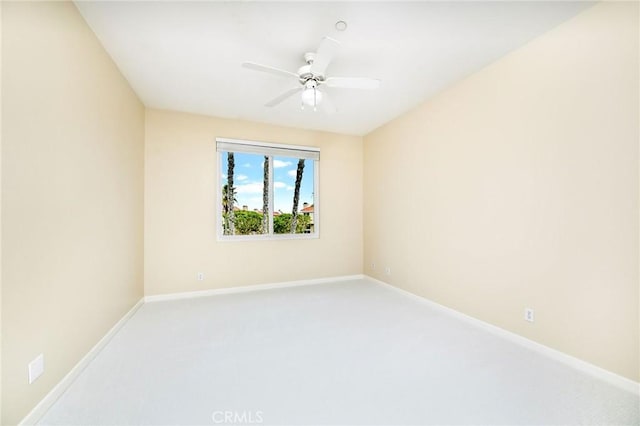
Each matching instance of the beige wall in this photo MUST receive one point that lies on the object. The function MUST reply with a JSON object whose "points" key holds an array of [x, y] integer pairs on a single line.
{"points": [[72, 206], [518, 187], [1, 211], [181, 216]]}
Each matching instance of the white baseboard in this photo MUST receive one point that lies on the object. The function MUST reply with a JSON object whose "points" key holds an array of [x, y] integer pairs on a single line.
{"points": [[571, 361], [50, 398], [242, 289]]}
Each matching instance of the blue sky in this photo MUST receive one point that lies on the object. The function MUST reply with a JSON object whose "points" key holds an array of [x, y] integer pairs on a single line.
{"points": [[247, 180]]}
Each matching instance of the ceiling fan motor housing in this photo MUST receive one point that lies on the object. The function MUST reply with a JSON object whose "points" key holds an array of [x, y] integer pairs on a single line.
{"points": [[305, 73]]}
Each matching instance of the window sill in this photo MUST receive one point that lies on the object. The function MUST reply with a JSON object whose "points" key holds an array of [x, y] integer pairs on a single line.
{"points": [[277, 237]]}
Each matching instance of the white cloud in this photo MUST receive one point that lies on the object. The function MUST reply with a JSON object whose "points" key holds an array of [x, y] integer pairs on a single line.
{"points": [[249, 188], [292, 173], [254, 202], [247, 165], [277, 164], [282, 185], [240, 178]]}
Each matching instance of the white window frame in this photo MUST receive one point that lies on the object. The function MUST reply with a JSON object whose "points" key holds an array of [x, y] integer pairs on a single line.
{"points": [[270, 149]]}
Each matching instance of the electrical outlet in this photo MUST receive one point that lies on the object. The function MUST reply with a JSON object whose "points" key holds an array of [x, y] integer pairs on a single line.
{"points": [[529, 315], [373, 266], [36, 368], [200, 276], [387, 270]]}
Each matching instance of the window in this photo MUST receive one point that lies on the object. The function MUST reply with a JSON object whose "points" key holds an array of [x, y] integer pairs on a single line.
{"points": [[267, 190]]}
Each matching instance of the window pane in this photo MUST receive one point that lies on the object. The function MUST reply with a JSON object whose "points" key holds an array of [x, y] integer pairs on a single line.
{"points": [[243, 209], [293, 181]]}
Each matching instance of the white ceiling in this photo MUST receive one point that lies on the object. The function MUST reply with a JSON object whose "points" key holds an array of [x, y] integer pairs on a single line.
{"points": [[186, 56]]}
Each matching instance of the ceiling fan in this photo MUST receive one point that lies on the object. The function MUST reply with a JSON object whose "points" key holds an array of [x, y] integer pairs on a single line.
{"points": [[311, 77]]}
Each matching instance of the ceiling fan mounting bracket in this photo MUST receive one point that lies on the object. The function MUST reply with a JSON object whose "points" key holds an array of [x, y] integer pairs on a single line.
{"points": [[309, 57]]}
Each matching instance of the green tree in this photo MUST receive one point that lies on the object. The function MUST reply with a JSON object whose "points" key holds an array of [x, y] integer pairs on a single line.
{"points": [[296, 196], [265, 196], [282, 224], [225, 198], [226, 207], [303, 223], [248, 222], [231, 229]]}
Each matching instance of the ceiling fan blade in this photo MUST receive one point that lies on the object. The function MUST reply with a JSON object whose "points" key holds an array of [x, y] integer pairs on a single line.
{"points": [[326, 105], [268, 69], [324, 55], [282, 97], [352, 82]]}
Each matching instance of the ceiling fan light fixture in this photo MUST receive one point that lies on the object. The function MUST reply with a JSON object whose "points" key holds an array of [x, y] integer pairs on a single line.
{"points": [[311, 96]]}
